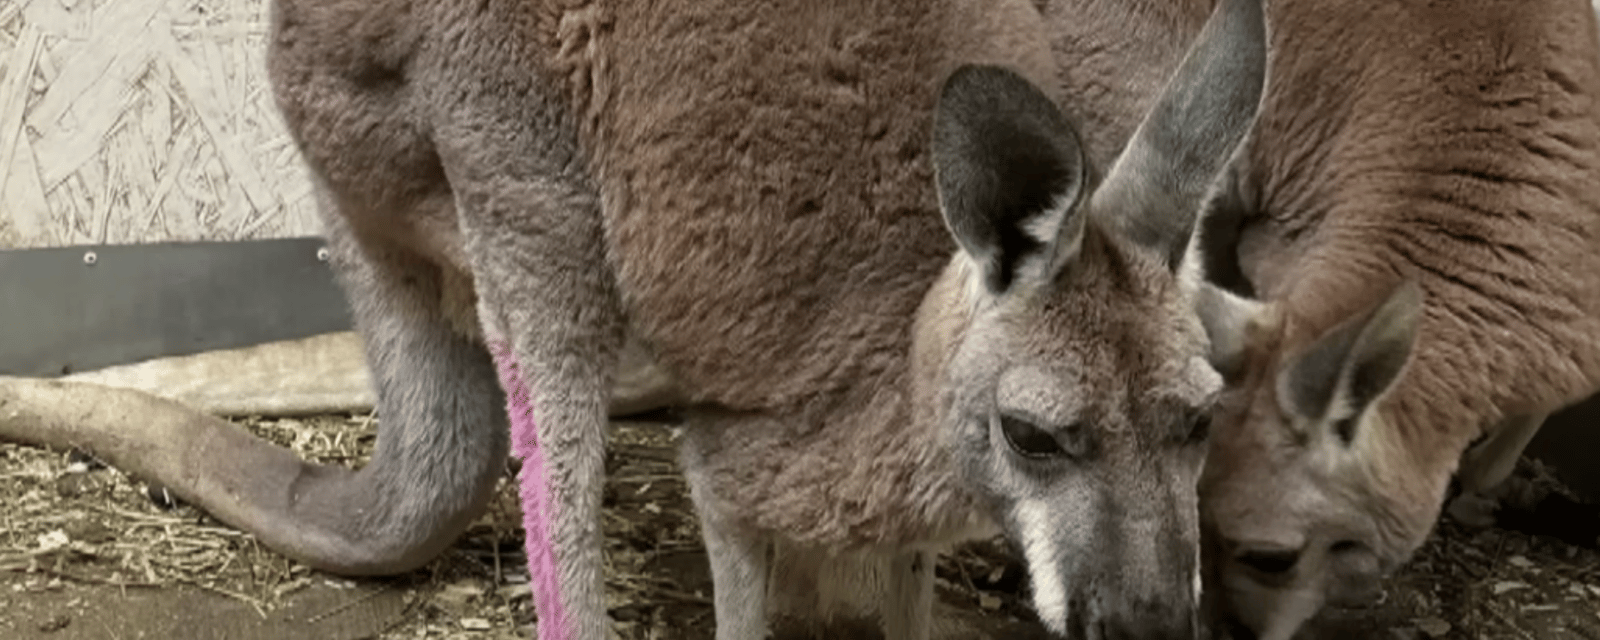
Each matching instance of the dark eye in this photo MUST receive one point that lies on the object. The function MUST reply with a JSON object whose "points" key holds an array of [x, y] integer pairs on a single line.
{"points": [[1029, 440], [1346, 428], [1199, 428]]}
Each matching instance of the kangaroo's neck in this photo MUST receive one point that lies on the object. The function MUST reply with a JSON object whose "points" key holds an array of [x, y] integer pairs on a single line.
{"points": [[865, 467]]}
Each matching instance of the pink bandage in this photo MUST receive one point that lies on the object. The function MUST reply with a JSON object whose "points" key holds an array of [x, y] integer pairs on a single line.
{"points": [[538, 505]]}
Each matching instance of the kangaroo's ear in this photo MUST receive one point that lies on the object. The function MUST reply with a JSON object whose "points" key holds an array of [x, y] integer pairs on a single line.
{"points": [[1153, 193], [1337, 378], [1010, 174], [1228, 320]]}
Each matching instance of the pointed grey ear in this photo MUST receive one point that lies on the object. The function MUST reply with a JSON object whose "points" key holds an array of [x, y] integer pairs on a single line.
{"points": [[1010, 173], [1341, 374], [1227, 320], [1155, 189]]}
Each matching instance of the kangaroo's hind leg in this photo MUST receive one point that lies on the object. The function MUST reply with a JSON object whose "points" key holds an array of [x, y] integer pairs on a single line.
{"points": [[1485, 466], [740, 560], [551, 320]]}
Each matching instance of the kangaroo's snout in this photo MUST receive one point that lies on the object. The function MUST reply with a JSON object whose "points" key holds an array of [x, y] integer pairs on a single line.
{"points": [[1139, 583], [1150, 619], [1149, 585]]}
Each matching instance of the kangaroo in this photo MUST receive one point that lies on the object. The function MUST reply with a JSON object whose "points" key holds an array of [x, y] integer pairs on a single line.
{"points": [[885, 341], [441, 445], [750, 191], [1407, 259]]}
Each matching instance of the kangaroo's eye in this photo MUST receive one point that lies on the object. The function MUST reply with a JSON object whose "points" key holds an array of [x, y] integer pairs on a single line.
{"points": [[1028, 440]]}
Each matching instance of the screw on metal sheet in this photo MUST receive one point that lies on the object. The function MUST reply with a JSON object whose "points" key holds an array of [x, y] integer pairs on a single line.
{"points": [[322, 254], [90, 258]]}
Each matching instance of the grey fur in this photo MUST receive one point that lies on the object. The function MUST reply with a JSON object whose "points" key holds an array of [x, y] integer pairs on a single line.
{"points": [[1177, 164]]}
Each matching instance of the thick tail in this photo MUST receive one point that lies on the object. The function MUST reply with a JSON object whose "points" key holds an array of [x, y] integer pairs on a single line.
{"points": [[311, 513], [441, 439]]}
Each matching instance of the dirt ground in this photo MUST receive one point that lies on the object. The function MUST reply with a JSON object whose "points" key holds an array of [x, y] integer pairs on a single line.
{"points": [[86, 553]]}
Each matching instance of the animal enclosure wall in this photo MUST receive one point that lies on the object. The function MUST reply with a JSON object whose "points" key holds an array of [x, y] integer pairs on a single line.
{"points": [[135, 121]]}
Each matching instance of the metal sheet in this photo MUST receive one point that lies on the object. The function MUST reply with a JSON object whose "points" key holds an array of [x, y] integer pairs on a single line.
{"points": [[61, 312]]}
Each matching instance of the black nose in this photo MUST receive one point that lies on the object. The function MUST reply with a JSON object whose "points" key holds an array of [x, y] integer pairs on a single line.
{"points": [[1268, 561], [1174, 628], [1358, 578], [1150, 620]]}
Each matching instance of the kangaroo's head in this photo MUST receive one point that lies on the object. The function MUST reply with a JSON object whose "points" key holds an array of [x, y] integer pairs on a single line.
{"points": [[1307, 497], [1060, 353]]}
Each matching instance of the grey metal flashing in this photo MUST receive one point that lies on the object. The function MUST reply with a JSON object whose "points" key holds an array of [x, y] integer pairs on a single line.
{"points": [[78, 308]]}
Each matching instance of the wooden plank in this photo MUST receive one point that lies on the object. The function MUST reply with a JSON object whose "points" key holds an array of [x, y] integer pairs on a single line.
{"points": [[121, 24], [63, 150], [146, 119], [21, 192], [209, 108]]}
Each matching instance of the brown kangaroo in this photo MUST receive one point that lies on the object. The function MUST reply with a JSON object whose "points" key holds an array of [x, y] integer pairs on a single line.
{"points": [[750, 194], [746, 189], [1411, 236]]}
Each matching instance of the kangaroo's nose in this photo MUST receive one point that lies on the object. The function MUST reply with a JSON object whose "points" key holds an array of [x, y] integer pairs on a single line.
{"points": [[1150, 624], [1358, 578], [1269, 561], [1168, 617]]}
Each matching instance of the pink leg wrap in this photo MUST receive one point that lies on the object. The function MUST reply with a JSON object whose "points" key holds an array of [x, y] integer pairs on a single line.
{"points": [[538, 505]]}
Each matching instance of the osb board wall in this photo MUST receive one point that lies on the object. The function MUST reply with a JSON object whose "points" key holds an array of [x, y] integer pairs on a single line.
{"points": [[128, 121]]}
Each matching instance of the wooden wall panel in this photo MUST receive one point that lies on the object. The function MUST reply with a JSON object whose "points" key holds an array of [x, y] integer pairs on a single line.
{"points": [[133, 121]]}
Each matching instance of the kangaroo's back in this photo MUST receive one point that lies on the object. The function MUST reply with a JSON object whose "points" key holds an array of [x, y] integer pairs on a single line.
{"points": [[1465, 153], [1112, 59]]}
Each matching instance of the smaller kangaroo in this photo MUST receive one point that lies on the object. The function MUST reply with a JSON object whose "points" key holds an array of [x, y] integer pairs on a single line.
{"points": [[1410, 246]]}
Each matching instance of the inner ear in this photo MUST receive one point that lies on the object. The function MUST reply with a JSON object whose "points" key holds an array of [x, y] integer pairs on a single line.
{"points": [[1227, 319], [1307, 383], [1352, 365], [1010, 173], [1384, 346]]}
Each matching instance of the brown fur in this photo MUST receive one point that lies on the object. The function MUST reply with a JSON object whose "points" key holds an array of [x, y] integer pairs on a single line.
{"points": [[765, 145], [1448, 143], [744, 192], [1112, 59]]}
